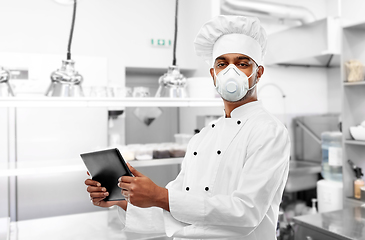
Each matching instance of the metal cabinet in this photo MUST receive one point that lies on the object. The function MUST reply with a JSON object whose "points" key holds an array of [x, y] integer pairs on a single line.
{"points": [[306, 233], [345, 224], [44, 136]]}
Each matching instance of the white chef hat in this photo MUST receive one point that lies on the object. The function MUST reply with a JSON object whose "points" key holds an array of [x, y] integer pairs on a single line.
{"points": [[231, 34]]}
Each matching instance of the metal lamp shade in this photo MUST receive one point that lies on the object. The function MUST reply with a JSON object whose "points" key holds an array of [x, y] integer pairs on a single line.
{"points": [[66, 82], [5, 88], [172, 84]]}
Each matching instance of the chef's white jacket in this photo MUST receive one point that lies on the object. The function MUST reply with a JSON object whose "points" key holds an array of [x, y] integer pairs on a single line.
{"points": [[230, 185]]}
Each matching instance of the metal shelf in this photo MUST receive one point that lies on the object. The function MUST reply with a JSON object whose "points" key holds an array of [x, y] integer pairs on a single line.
{"points": [[108, 102], [156, 162], [354, 83], [70, 165], [355, 142], [354, 201]]}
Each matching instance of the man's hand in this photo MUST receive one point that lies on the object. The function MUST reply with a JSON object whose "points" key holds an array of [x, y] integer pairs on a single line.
{"points": [[142, 191], [98, 193]]}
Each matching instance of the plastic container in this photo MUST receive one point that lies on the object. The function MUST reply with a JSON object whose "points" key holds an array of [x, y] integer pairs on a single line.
{"points": [[145, 152], [162, 151], [182, 138], [129, 151], [332, 156], [329, 195], [178, 150]]}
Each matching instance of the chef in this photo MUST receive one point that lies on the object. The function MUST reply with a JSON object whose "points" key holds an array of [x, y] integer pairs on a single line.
{"points": [[235, 170]]}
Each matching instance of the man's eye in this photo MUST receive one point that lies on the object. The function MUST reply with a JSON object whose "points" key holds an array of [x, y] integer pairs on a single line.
{"points": [[243, 64], [221, 64]]}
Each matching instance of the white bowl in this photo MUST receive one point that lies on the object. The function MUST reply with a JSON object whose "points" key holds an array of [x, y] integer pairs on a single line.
{"points": [[358, 133]]}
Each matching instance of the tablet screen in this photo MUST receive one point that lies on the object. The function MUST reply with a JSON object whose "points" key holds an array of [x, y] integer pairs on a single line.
{"points": [[107, 167]]}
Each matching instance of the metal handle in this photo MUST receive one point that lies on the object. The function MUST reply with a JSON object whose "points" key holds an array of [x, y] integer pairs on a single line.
{"points": [[309, 238]]}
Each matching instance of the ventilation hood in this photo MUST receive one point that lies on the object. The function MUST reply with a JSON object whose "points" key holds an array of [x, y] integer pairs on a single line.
{"points": [[315, 44], [269, 10]]}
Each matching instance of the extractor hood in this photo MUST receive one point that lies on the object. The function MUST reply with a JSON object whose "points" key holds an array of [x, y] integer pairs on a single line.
{"points": [[267, 10], [314, 44]]}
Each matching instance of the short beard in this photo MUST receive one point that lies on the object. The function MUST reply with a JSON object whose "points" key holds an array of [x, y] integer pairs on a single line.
{"points": [[248, 94]]}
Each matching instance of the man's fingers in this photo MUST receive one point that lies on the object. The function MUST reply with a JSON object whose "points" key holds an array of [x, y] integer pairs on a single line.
{"points": [[125, 193], [101, 195], [91, 182], [134, 171], [124, 185], [91, 189], [125, 179], [96, 201], [102, 203]]}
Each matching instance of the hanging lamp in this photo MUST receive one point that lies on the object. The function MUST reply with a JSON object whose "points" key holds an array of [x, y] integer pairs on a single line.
{"points": [[172, 84], [5, 87], [66, 81]]}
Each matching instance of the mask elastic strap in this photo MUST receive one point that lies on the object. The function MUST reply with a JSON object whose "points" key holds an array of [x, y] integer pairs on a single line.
{"points": [[255, 81], [252, 87], [216, 79]]}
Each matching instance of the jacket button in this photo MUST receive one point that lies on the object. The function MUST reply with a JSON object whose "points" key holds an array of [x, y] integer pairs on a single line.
{"points": [[187, 188], [219, 152], [195, 153], [238, 122], [206, 189], [213, 125]]}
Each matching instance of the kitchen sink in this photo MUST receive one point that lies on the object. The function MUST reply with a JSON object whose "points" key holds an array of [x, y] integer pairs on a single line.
{"points": [[303, 175]]}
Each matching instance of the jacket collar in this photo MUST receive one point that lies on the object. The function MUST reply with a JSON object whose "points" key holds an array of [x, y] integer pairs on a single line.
{"points": [[246, 109]]}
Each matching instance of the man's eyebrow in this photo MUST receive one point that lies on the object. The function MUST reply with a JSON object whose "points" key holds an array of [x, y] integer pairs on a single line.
{"points": [[243, 58], [220, 58], [239, 58]]}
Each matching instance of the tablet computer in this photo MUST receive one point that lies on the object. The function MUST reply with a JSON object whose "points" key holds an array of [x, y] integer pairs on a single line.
{"points": [[107, 167]]}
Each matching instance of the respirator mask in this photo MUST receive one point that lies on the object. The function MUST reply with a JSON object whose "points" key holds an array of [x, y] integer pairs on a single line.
{"points": [[232, 84]]}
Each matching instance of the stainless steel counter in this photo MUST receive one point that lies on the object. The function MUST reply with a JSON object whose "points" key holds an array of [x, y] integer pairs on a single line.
{"points": [[102, 225], [347, 223]]}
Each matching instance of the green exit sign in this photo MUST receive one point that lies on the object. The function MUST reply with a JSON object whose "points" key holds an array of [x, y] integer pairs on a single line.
{"points": [[161, 42]]}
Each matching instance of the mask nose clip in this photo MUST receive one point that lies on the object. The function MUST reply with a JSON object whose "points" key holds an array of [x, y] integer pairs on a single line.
{"points": [[227, 70], [231, 68]]}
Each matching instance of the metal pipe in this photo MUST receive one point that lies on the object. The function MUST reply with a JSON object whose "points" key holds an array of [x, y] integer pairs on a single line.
{"points": [[307, 130]]}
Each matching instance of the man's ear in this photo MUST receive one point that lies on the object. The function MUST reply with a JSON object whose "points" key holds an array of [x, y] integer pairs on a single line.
{"points": [[260, 72], [212, 74]]}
